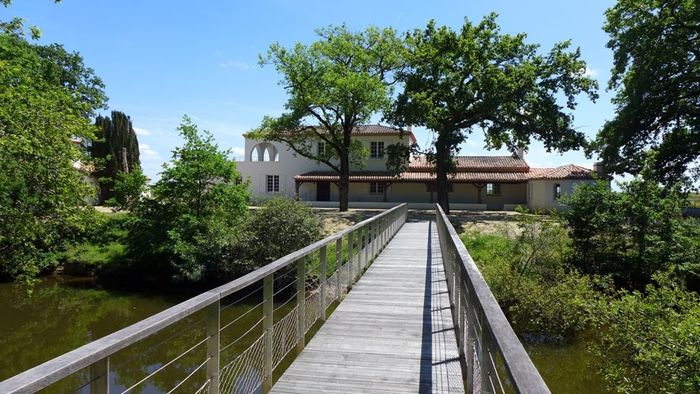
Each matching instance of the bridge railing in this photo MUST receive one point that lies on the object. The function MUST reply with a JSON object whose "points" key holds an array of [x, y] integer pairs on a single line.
{"points": [[495, 359], [234, 338]]}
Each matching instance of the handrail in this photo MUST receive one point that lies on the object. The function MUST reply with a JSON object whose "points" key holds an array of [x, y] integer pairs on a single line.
{"points": [[373, 234], [484, 335]]}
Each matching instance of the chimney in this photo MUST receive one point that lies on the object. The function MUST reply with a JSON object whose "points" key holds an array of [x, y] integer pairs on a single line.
{"points": [[409, 129], [521, 152], [599, 169]]}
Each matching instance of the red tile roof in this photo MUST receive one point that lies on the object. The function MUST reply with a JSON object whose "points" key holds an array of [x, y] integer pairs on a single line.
{"points": [[569, 171], [476, 164]]}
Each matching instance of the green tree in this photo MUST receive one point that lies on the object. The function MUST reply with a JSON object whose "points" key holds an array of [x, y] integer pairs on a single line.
{"points": [[116, 149], [191, 220], [656, 73], [478, 77], [632, 234], [650, 342], [334, 85], [128, 189], [47, 96]]}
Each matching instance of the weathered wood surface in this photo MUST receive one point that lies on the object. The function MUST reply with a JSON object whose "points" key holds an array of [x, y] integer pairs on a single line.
{"points": [[392, 333]]}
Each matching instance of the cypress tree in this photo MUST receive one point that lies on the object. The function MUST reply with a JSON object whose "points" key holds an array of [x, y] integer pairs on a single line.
{"points": [[115, 150]]}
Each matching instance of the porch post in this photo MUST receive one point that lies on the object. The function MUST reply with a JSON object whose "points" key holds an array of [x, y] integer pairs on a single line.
{"points": [[297, 184], [386, 186]]}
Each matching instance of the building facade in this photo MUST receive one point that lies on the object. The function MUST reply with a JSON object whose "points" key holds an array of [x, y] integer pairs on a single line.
{"points": [[479, 182]]}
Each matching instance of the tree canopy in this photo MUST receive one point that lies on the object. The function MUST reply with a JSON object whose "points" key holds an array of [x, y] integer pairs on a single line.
{"points": [[116, 149], [333, 85], [477, 77], [46, 98], [189, 221], [657, 76]]}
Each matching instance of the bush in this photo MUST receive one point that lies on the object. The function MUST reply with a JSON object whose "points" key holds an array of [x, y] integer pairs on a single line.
{"points": [[279, 227], [525, 269], [650, 342]]}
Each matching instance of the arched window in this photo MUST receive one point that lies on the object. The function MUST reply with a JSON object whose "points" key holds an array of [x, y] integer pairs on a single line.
{"points": [[557, 191], [264, 151]]}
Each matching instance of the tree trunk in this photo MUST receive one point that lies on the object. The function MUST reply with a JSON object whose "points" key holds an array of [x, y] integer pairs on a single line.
{"points": [[344, 184], [442, 164]]}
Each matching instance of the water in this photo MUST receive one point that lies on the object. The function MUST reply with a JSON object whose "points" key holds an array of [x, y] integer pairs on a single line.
{"points": [[65, 313], [568, 368]]}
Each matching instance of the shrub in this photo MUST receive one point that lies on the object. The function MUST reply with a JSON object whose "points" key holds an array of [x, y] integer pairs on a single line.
{"points": [[650, 342], [279, 227], [525, 269]]}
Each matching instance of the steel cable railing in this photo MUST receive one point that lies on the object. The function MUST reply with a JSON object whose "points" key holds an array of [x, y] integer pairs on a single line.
{"points": [[495, 359]]}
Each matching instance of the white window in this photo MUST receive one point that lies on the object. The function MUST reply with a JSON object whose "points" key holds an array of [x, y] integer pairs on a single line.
{"points": [[557, 191], [321, 149], [376, 149], [493, 189], [273, 183], [376, 188]]}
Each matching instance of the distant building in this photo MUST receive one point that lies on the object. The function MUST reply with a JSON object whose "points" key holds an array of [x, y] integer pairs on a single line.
{"points": [[480, 182]]}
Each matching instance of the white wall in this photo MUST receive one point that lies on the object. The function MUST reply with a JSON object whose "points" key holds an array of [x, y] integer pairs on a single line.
{"points": [[541, 192], [289, 164]]}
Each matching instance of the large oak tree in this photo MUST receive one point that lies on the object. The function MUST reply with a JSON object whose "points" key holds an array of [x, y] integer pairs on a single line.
{"points": [[477, 77], [656, 72], [333, 85]]}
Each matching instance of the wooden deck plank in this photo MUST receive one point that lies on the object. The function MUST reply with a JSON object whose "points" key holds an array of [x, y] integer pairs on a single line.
{"points": [[393, 333]]}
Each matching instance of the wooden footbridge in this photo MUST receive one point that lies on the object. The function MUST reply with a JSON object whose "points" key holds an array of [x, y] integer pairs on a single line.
{"points": [[393, 304]]}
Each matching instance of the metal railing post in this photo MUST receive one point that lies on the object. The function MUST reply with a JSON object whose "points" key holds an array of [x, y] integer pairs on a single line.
{"points": [[213, 345], [99, 377], [338, 264], [469, 346], [268, 322], [322, 280], [301, 304], [350, 257], [366, 243]]}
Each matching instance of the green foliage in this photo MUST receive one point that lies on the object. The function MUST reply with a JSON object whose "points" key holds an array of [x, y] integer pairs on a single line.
{"points": [[128, 189], [333, 85], [478, 77], [655, 72], [279, 227], [46, 97], [650, 342], [190, 222], [101, 245], [633, 233], [526, 271], [115, 150]]}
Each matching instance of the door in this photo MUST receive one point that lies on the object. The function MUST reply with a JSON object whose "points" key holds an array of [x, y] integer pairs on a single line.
{"points": [[323, 191]]}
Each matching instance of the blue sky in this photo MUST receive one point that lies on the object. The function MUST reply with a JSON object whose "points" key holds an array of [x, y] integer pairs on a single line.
{"points": [[163, 59]]}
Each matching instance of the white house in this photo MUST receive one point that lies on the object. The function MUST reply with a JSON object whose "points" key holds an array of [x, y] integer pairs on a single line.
{"points": [[480, 182]]}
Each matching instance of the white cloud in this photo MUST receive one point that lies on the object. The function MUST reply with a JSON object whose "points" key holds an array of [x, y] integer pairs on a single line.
{"points": [[591, 72], [235, 64], [238, 151], [141, 132], [147, 153]]}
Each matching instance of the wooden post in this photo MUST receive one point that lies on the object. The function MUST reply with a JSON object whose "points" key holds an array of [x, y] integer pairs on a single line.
{"points": [[99, 376], [213, 345], [322, 280], [338, 264], [268, 310], [301, 304], [297, 185]]}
